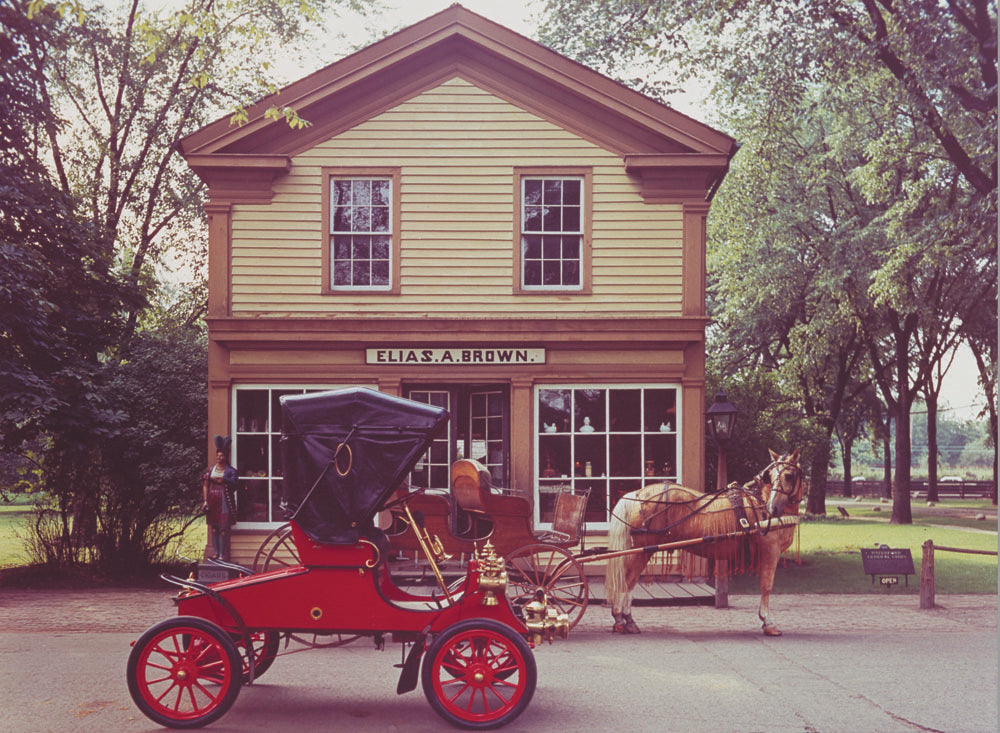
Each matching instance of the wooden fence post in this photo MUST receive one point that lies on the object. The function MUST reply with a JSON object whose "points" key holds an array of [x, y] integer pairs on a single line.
{"points": [[927, 576], [721, 584]]}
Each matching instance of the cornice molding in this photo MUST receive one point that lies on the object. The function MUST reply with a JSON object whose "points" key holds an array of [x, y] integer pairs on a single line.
{"points": [[239, 179], [308, 333]]}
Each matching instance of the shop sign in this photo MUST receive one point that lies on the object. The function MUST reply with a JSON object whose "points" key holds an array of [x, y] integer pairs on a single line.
{"points": [[458, 357]]}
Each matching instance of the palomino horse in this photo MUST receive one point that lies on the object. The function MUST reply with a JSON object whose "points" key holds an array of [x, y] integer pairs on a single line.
{"points": [[666, 513]]}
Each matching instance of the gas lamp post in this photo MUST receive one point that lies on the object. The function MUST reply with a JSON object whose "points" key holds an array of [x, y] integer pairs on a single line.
{"points": [[721, 421]]}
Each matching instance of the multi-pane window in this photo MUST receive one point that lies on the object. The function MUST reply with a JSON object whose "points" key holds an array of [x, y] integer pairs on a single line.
{"points": [[478, 429], [257, 451], [552, 232], [611, 440], [361, 229]]}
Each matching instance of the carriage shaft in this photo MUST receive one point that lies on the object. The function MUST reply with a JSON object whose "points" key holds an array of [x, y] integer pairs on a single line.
{"points": [[774, 523]]}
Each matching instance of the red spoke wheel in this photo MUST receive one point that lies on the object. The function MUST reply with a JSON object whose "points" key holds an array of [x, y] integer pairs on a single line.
{"points": [[553, 569], [184, 672], [479, 674], [265, 649]]}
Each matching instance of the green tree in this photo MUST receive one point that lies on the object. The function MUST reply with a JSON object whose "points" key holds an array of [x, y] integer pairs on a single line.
{"points": [[766, 419], [114, 87], [943, 56], [58, 304], [913, 88], [54, 294], [129, 80], [151, 467], [785, 221]]}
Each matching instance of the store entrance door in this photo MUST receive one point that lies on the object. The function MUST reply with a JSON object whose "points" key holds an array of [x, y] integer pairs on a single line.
{"points": [[479, 428]]}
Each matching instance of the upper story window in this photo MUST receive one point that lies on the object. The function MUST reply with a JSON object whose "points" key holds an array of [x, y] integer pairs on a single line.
{"points": [[553, 248], [362, 253]]}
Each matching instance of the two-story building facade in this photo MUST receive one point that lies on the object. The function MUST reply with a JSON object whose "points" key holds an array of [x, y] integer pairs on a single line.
{"points": [[475, 221]]}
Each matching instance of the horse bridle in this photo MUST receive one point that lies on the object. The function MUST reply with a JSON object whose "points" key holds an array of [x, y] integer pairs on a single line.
{"points": [[780, 464]]}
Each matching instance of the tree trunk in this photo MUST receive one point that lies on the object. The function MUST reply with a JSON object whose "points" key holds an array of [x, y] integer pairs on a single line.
{"points": [[993, 432], [901, 510], [848, 478], [819, 466], [887, 458], [932, 446]]}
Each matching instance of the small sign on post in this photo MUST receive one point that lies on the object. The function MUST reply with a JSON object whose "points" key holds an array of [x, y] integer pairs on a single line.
{"points": [[888, 564]]}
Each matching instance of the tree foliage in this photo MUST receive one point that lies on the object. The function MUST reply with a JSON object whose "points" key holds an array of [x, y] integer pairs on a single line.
{"points": [[57, 304], [152, 465], [129, 80], [96, 204], [861, 205]]}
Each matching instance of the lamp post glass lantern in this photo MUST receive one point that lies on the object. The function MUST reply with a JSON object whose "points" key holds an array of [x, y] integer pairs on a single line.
{"points": [[721, 421], [721, 418]]}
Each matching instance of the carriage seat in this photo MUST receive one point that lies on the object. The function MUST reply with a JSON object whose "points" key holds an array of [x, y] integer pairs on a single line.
{"points": [[568, 518]]}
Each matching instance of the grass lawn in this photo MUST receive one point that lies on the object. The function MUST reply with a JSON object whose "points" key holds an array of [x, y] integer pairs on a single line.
{"points": [[16, 516], [14, 520], [830, 555]]}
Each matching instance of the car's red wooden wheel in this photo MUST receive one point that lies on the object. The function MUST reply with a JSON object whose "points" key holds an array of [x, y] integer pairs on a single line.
{"points": [[184, 672], [479, 673]]}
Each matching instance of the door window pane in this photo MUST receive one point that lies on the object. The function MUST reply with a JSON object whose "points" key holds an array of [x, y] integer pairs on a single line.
{"points": [[433, 470]]}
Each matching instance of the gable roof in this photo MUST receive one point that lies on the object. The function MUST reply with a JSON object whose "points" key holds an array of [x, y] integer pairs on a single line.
{"points": [[656, 142]]}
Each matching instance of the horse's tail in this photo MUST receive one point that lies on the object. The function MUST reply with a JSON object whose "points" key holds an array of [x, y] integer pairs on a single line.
{"points": [[619, 538]]}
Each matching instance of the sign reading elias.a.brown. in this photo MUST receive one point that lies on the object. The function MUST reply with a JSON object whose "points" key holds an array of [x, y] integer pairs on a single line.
{"points": [[464, 357]]}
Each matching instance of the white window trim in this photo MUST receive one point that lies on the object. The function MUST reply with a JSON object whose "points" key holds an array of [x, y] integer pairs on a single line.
{"points": [[581, 233]]}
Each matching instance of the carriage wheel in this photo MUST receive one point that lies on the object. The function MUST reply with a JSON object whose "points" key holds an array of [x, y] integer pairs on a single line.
{"points": [[553, 569], [265, 649], [277, 550], [479, 674], [184, 672]]}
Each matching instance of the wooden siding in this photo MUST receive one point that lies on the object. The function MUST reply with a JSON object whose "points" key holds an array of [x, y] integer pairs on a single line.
{"points": [[457, 147]]}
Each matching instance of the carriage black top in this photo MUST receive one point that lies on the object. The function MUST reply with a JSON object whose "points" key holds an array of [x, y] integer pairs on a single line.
{"points": [[345, 452]]}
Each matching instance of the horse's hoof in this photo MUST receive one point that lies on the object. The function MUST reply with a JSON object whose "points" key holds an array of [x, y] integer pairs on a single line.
{"points": [[618, 629], [631, 628], [772, 631]]}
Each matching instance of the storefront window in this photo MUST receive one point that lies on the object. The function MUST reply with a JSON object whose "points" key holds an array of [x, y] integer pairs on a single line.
{"points": [[257, 450], [611, 440]]}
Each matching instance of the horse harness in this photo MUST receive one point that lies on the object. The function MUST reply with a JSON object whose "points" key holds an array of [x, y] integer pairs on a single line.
{"points": [[735, 495]]}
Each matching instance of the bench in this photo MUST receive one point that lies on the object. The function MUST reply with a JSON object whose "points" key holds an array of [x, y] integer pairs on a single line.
{"points": [[888, 563]]}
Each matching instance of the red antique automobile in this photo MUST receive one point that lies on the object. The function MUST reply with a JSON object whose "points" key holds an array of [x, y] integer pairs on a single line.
{"points": [[345, 454]]}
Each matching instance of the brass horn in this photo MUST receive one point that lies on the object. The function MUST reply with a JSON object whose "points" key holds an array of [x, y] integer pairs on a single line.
{"points": [[432, 548]]}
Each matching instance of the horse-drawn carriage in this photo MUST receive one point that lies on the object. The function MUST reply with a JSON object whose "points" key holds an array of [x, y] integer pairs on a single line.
{"points": [[345, 454], [470, 513]]}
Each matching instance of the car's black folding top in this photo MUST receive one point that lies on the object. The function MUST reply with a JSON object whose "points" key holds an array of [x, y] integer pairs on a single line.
{"points": [[380, 438]]}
